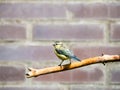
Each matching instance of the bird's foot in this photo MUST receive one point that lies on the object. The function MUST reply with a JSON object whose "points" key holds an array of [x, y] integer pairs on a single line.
{"points": [[59, 65], [103, 63]]}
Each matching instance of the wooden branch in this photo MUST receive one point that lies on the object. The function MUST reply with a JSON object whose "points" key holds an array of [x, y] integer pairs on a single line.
{"points": [[99, 59]]}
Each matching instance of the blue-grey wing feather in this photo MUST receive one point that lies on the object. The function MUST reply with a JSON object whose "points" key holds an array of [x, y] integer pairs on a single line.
{"points": [[65, 52]]}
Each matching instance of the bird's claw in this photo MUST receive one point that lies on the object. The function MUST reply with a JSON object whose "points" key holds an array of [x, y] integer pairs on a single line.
{"points": [[59, 65]]}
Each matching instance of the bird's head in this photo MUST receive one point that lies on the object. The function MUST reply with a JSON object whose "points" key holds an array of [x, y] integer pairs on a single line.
{"points": [[58, 44]]}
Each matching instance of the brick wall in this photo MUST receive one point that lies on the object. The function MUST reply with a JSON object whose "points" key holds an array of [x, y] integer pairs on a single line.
{"points": [[29, 27]]}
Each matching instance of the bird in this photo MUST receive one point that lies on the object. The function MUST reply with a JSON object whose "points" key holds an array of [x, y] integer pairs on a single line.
{"points": [[63, 53]]}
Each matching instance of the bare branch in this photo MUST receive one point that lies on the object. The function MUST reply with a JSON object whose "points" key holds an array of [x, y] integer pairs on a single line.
{"points": [[99, 59]]}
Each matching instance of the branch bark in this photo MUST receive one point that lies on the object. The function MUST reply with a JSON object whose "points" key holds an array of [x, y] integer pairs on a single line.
{"points": [[99, 59]]}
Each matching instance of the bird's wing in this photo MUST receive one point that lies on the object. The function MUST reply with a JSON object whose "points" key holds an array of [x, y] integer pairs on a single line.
{"points": [[65, 52]]}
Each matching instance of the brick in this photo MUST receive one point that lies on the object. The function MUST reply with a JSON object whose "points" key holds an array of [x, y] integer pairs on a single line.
{"points": [[31, 10], [30, 88], [55, 77], [88, 74], [86, 88], [99, 10], [77, 10], [95, 10], [90, 51], [115, 32], [91, 10], [68, 32], [115, 75], [12, 32], [94, 74], [10, 73], [62, 76], [114, 10], [33, 53], [93, 87], [44, 78], [57, 88]]}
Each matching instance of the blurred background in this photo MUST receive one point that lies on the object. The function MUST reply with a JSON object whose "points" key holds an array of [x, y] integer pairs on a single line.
{"points": [[28, 28]]}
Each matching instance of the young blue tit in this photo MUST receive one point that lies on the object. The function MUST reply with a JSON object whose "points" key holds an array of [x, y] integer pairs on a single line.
{"points": [[63, 53]]}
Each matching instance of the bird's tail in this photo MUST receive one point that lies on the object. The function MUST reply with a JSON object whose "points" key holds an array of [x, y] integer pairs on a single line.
{"points": [[76, 58]]}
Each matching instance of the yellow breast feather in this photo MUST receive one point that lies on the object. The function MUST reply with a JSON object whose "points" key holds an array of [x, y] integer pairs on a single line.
{"points": [[62, 57]]}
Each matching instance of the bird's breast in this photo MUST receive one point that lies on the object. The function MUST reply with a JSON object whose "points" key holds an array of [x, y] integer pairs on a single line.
{"points": [[61, 56]]}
